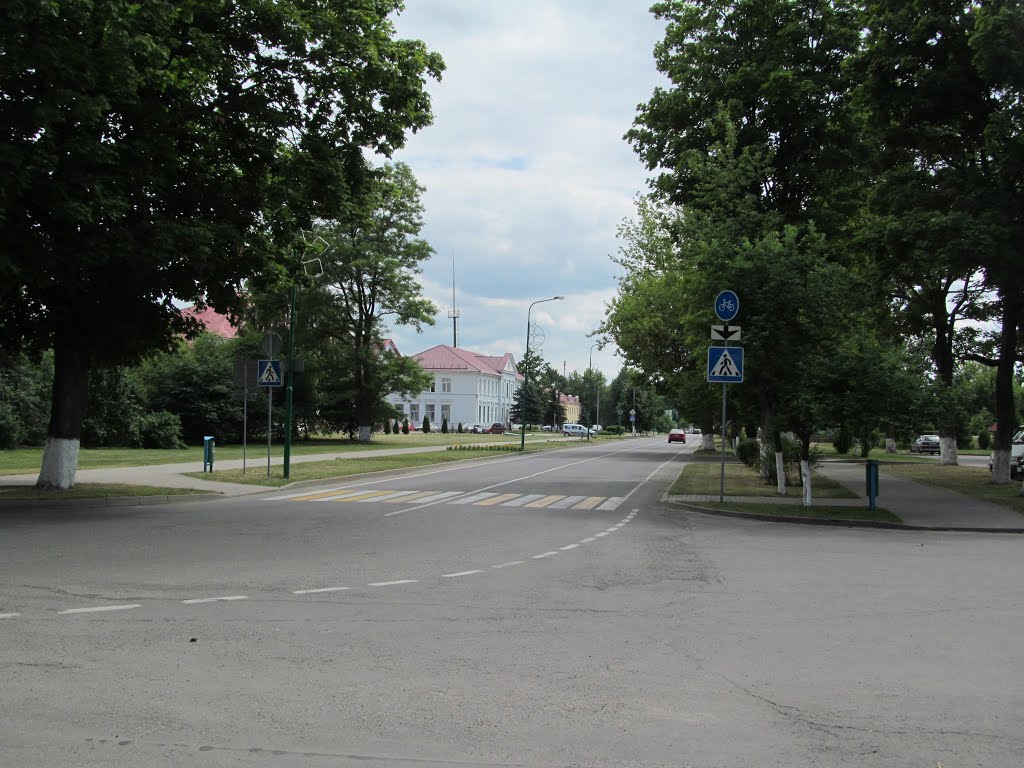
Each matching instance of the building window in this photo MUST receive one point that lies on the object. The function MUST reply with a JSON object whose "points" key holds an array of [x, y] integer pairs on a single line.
{"points": [[414, 412], [446, 385], [430, 412], [433, 386], [446, 414]]}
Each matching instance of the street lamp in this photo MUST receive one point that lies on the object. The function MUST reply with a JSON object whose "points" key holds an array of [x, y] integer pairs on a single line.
{"points": [[590, 367], [526, 378]]}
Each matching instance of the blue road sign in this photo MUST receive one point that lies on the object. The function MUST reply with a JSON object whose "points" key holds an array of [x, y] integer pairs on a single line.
{"points": [[727, 305], [725, 365], [269, 373]]}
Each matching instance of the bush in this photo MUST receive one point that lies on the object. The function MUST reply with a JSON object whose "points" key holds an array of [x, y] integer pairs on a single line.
{"points": [[615, 429], [161, 429], [444, 426], [748, 451], [405, 426], [426, 425], [984, 439], [461, 428], [11, 430], [842, 440]]}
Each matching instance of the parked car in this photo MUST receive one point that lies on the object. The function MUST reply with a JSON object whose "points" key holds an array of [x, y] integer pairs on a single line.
{"points": [[478, 429], [497, 428], [677, 435], [577, 430], [546, 428], [1016, 454], [925, 444]]}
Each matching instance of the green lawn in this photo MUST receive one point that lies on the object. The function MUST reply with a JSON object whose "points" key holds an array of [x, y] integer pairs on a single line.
{"points": [[970, 481], [26, 460], [90, 491], [325, 470], [704, 478], [795, 510]]}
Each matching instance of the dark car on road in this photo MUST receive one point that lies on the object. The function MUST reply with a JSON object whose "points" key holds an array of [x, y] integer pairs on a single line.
{"points": [[925, 444], [677, 436]]}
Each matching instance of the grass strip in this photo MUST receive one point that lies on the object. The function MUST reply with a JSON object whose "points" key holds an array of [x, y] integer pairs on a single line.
{"points": [[343, 467], [90, 491], [975, 482], [704, 478], [795, 510]]}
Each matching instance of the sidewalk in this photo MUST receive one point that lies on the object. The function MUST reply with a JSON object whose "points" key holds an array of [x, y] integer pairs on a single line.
{"points": [[916, 504]]}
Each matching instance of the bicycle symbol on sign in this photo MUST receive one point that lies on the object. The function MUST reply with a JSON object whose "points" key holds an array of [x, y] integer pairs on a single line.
{"points": [[726, 305]]}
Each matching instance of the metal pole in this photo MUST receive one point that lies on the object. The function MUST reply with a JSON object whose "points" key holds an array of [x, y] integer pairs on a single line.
{"points": [[590, 368], [270, 400], [526, 385], [721, 491], [290, 376], [245, 409]]}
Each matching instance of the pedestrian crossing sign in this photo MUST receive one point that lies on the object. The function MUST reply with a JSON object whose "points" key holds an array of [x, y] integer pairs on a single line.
{"points": [[725, 365], [269, 373]]}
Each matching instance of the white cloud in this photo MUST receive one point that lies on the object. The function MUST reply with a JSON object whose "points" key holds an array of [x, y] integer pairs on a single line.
{"points": [[526, 170]]}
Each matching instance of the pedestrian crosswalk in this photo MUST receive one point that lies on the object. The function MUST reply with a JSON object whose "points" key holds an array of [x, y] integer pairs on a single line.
{"points": [[472, 498]]}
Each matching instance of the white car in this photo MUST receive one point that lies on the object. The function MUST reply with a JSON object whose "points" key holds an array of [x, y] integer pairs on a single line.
{"points": [[576, 430]]}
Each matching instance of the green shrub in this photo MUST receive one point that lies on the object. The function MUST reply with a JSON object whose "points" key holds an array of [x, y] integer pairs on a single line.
{"points": [[461, 428], [11, 430], [426, 425], [842, 440], [405, 426], [161, 429], [444, 426], [615, 429], [748, 451], [984, 439]]}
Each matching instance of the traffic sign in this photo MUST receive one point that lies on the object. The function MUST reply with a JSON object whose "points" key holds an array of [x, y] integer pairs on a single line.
{"points": [[632, 418], [725, 332], [632, 412], [725, 365], [727, 305], [269, 373]]}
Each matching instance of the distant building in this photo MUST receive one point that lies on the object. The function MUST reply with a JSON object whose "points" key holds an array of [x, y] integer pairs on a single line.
{"points": [[571, 406], [213, 321], [467, 388]]}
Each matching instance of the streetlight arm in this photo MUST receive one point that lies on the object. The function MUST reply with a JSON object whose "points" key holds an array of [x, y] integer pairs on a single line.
{"points": [[526, 373]]}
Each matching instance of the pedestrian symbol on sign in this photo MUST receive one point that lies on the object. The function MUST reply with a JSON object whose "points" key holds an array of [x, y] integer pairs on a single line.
{"points": [[725, 365], [269, 373]]}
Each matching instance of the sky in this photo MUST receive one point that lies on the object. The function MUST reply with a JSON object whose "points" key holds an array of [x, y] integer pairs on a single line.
{"points": [[526, 172]]}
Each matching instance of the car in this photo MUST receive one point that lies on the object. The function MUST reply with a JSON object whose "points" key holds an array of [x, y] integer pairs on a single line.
{"points": [[497, 428], [925, 444], [1016, 454], [478, 429], [546, 428], [577, 430], [677, 436]]}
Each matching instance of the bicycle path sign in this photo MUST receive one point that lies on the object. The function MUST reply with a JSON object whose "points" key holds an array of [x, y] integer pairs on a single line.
{"points": [[725, 365], [727, 305]]}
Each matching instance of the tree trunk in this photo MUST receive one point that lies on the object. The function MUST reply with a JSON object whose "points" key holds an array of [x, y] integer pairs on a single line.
{"points": [[70, 394], [1005, 410], [948, 454], [707, 441], [780, 464], [364, 433], [805, 469], [890, 444]]}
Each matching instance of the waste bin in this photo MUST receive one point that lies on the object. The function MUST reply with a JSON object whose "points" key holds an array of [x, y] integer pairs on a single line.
{"points": [[871, 481], [208, 447]]}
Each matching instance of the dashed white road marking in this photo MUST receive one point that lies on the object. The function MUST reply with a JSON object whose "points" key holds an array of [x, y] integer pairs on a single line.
{"points": [[510, 563], [602, 533], [613, 529], [8, 615], [226, 598], [321, 589], [100, 608], [544, 554], [587, 540], [460, 573], [569, 546], [392, 583]]}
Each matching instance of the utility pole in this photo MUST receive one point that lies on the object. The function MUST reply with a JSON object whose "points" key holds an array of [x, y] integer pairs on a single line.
{"points": [[454, 313]]}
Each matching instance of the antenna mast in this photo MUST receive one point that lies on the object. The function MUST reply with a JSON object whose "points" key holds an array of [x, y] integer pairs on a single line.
{"points": [[454, 313]]}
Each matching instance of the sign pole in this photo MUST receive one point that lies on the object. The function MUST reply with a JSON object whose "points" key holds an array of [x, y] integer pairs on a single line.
{"points": [[270, 401], [245, 414], [721, 489]]}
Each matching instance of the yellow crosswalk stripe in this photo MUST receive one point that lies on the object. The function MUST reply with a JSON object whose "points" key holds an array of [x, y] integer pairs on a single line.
{"points": [[545, 501], [367, 495], [497, 500], [311, 496], [589, 503], [414, 496]]}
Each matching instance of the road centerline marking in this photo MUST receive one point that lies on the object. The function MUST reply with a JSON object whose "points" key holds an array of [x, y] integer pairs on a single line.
{"points": [[100, 608], [508, 564], [392, 583], [320, 589], [12, 615], [460, 573], [226, 598]]}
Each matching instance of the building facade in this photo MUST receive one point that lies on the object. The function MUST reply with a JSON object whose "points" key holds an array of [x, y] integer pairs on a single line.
{"points": [[571, 406], [467, 388]]}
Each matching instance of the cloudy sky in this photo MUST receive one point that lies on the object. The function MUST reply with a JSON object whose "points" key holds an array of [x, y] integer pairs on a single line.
{"points": [[526, 171]]}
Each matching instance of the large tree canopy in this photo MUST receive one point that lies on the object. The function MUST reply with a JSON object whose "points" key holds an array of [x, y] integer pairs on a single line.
{"points": [[168, 150]]}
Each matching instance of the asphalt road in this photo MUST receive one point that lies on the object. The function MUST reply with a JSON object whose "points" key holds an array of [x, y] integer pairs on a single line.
{"points": [[545, 610]]}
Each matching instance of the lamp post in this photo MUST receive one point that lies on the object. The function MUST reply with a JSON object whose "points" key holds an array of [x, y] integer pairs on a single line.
{"points": [[526, 378], [590, 367]]}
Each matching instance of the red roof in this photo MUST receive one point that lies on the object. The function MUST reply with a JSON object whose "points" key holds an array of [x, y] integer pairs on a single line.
{"points": [[213, 321], [447, 358]]}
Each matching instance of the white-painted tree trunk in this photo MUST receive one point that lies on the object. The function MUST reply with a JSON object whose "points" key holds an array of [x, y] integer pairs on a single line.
{"points": [[890, 445], [947, 451], [60, 464], [1000, 467], [707, 441], [805, 479], [780, 472], [364, 434]]}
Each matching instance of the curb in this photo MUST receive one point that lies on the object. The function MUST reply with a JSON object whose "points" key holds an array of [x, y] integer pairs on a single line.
{"points": [[837, 523], [107, 501]]}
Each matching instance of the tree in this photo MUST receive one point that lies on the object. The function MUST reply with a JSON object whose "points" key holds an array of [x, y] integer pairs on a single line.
{"points": [[169, 150], [444, 426], [527, 405], [426, 425]]}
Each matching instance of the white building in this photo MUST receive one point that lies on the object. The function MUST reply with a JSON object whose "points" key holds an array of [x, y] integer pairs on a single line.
{"points": [[467, 388]]}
